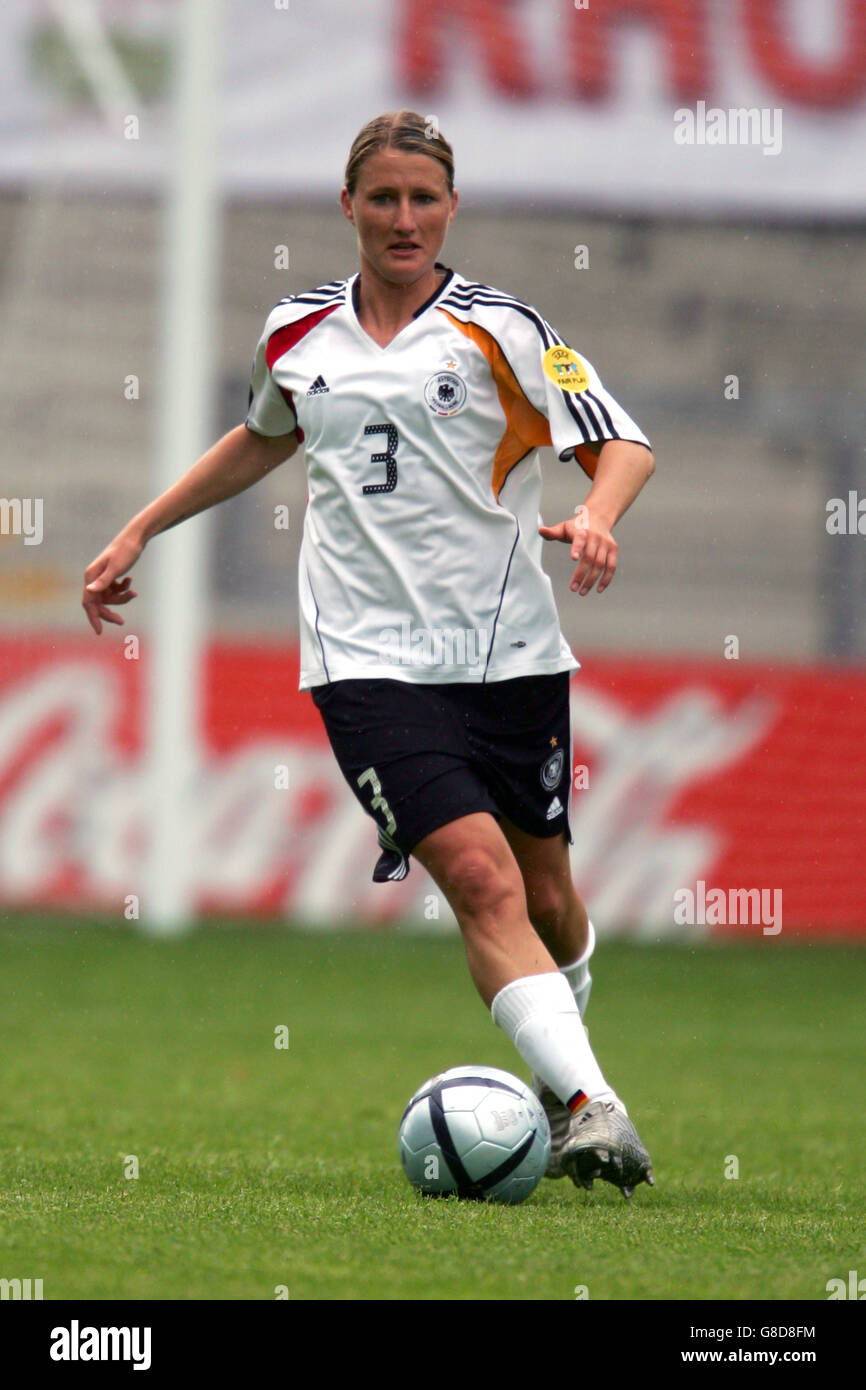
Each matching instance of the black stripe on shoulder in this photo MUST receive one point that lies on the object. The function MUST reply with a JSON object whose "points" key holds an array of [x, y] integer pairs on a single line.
{"points": [[605, 413], [583, 414], [489, 294], [317, 299], [322, 294], [577, 417], [485, 294], [588, 413], [581, 411], [476, 287], [332, 287], [579, 408], [458, 299]]}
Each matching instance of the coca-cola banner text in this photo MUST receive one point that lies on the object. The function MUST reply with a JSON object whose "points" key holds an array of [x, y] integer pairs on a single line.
{"points": [[708, 798]]}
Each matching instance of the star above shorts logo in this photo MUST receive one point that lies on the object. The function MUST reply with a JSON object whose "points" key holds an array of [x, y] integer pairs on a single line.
{"points": [[554, 742]]}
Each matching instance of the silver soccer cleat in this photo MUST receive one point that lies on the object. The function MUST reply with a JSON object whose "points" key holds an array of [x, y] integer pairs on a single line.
{"points": [[603, 1143], [559, 1118]]}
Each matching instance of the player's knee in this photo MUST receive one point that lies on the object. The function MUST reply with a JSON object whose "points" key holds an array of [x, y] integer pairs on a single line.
{"points": [[549, 903], [482, 886]]}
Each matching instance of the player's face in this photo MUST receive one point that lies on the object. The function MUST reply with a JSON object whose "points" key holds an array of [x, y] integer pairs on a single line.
{"points": [[401, 209]]}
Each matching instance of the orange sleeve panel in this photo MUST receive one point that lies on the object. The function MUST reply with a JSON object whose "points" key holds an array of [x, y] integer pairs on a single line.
{"points": [[525, 427]]}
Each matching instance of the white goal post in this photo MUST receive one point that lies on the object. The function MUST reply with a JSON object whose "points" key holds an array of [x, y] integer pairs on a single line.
{"points": [[178, 558]]}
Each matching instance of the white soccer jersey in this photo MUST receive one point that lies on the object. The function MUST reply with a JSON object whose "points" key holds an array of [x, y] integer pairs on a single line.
{"points": [[421, 559]]}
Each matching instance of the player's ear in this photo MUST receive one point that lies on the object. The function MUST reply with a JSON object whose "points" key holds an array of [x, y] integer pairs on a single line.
{"points": [[346, 204], [453, 206]]}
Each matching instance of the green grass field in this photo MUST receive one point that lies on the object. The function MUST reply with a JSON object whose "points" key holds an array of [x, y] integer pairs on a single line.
{"points": [[261, 1167]]}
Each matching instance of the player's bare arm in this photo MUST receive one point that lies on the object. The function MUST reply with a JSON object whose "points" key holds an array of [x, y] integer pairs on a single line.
{"points": [[237, 461], [623, 468]]}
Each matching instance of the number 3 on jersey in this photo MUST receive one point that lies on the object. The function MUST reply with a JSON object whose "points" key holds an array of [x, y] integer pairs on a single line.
{"points": [[390, 462]]}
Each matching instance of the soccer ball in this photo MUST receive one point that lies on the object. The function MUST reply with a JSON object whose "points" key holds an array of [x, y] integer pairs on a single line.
{"points": [[475, 1131]]}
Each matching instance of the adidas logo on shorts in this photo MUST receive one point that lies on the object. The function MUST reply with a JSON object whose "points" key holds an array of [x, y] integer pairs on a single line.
{"points": [[554, 809], [318, 387]]}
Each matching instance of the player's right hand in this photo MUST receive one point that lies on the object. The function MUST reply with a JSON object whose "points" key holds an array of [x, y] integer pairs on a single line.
{"points": [[104, 583], [592, 546]]}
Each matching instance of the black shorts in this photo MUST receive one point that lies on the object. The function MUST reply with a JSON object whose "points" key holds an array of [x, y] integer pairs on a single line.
{"points": [[418, 756]]}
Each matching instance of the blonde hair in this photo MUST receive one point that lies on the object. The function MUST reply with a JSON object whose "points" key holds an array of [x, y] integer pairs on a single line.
{"points": [[399, 130]]}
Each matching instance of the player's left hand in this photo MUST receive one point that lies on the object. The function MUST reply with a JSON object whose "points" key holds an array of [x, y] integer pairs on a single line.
{"points": [[592, 545]]}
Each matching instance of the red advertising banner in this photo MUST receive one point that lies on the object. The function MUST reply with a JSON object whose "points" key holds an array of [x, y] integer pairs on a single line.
{"points": [[710, 798], [654, 106]]}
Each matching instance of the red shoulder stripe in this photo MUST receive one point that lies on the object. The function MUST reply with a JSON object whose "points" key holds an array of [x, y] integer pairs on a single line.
{"points": [[284, 338]]}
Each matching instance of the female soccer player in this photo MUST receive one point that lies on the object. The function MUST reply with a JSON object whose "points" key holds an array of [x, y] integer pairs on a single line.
{"points": [[430, 639]]}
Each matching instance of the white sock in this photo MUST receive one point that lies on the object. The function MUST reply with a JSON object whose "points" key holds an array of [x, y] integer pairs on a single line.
{"points": [[578, 975], [541, 1017]]}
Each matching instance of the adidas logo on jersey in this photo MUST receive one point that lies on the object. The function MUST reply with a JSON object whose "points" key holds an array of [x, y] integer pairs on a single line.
{"points": [[554, 809], [318, 387]]}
